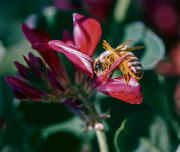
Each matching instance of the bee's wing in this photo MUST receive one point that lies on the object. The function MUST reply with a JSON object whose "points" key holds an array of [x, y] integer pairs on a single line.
{"points": [[134, 48], [124, 45]]}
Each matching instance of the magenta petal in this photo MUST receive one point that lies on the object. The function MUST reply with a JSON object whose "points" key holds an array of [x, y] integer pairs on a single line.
{"points": [[34, 69], [16, 83], [80, 39], [87, 33], [32, 96], [54, 83], [118, 88], [101, 80], [80, 60], [19, 95], [34, 35], [37, 62], [22, 70]]}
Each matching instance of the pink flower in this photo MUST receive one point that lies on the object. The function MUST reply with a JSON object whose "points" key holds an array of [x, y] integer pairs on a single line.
{"points": [[86, 35], [40, 82], [163, 15], [96, 8], [99, 9], [79, 50], [171, 67]]}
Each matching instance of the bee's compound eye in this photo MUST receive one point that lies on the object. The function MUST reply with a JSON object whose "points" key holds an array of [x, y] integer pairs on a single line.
{"points": [[97, 67]]}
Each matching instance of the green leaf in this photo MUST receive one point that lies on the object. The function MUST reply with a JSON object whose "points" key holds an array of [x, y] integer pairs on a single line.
{"points": [[143, 131], [67, 133], [64, 126], [15, 53], [154, 46]]}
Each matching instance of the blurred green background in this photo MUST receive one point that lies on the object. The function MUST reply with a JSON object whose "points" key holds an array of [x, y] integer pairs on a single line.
{"points": [[153, 125]]}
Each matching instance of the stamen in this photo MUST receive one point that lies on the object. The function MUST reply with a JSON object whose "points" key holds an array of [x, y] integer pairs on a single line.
{"points": [[106, 46]]}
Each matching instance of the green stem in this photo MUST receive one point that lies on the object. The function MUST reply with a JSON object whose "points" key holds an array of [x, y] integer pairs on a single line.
{"points": [[94, 117], [102, 141], [120, 10]]}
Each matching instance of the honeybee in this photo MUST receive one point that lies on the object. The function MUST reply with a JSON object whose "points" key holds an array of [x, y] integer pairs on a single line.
{"points": [[130, 65]]}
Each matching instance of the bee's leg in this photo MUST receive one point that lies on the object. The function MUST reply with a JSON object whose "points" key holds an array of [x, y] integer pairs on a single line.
{"points": [[126, 77], [124, 69]]}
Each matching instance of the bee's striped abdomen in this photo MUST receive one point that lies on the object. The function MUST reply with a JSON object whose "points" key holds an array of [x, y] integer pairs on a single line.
{"points": [[131, 65]]}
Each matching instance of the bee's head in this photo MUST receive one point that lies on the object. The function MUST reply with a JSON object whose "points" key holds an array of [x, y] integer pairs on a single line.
{"points": [[99, 67]]}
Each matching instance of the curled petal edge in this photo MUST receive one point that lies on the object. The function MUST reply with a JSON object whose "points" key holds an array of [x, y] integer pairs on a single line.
{"points": [[118, 88]]}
